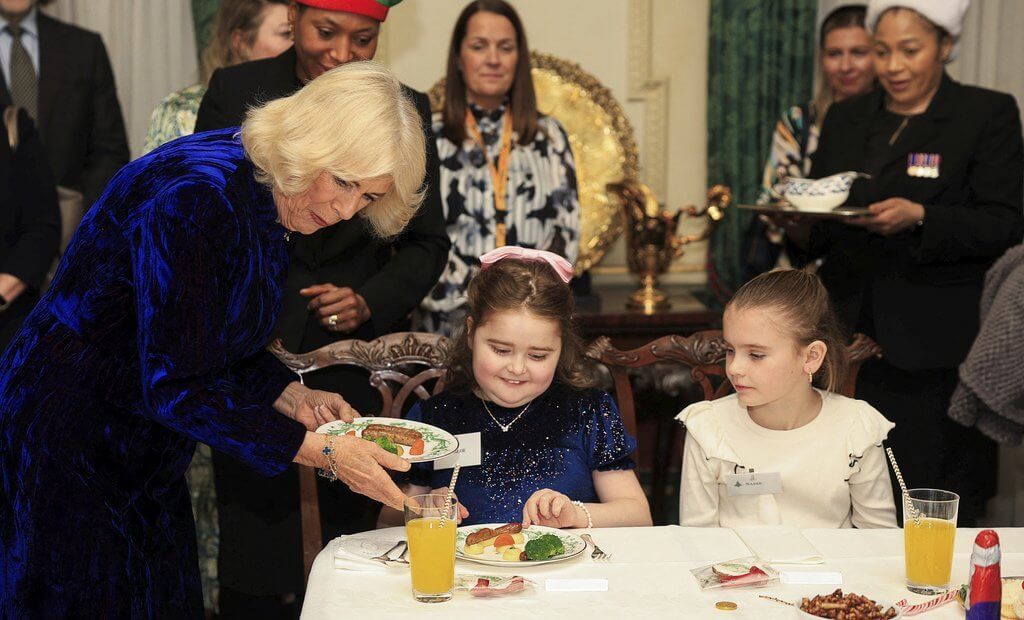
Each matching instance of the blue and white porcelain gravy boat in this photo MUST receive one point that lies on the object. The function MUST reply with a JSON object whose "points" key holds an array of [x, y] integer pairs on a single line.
{"points": [[820, 195]]}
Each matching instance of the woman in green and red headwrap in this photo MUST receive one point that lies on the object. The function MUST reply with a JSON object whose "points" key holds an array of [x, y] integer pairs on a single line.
{"points": [[342, 283]]}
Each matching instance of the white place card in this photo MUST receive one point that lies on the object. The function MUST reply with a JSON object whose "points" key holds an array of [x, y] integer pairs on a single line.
{"points": [[467, 455]]}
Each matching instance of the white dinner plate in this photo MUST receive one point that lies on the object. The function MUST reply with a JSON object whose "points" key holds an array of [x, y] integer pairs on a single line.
{"points": [[573, 544], [437, 443]]}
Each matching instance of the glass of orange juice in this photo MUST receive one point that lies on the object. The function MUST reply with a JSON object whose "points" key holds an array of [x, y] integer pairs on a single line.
{"points": [[430, 529], [928, 534]]}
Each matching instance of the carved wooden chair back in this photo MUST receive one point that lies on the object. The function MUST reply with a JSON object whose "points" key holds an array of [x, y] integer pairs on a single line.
{"points": [[703, 353], [401, 365]]}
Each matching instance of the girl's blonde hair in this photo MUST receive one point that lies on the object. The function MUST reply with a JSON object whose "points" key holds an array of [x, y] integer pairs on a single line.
{"points": [[799, 302], [353, 122], [510, 285]]}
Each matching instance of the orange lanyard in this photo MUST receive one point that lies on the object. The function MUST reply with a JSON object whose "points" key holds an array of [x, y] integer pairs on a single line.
{"points": [[499, 172]]}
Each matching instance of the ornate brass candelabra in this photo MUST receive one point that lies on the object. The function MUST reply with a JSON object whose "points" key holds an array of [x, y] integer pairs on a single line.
{"points": [[651, 240]]}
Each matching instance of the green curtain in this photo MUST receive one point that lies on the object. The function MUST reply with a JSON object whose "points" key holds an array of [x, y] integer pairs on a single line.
{"points": [[202, 16], [760, 62]]}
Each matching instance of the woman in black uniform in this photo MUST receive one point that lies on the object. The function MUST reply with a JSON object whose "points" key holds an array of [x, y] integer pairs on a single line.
{"points": [[945, 194]]}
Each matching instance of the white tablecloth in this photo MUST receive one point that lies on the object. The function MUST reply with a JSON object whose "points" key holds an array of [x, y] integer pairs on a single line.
{"points": [[649, 577]]}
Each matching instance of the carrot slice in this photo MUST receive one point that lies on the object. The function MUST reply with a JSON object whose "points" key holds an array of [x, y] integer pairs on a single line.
{"points": [[417, 448], [351, 433], [504, 540]]}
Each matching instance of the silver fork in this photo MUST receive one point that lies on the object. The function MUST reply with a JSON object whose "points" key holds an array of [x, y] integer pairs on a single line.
{"points": [[383, 558], [402, 557], [597, 554]]}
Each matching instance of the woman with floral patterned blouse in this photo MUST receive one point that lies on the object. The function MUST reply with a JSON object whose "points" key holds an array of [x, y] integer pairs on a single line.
{"points": [[242, 30], [507, 172]]}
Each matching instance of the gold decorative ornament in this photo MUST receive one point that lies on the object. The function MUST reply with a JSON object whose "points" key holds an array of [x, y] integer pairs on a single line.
{"points": [[651, 240], [602, 144]]}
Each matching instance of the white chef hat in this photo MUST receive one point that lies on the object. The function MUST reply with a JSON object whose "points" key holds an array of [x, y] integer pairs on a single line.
{"points": [[949, 14], [946, 13]]}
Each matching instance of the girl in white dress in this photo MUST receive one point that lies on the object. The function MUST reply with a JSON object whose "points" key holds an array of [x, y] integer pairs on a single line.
{"points": [[785, 449]]}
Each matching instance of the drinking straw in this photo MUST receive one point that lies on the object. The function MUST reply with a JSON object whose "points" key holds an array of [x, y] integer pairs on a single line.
{"points": [[908, 505], [451, 491]]}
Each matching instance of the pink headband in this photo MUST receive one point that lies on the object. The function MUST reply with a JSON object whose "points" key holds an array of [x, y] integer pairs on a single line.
{"points": [[561, 266]]}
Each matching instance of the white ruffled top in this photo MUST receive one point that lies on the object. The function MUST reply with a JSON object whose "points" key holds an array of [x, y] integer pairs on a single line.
{"points": [[833, 469]]}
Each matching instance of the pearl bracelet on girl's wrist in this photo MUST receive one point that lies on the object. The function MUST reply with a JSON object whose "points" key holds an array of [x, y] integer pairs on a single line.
{"points": [[586, 511]]}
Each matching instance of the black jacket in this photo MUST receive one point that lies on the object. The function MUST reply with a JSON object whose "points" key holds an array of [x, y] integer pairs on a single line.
{"points": [[917, 292], [392, 277], [29, 220], [79, 117]]}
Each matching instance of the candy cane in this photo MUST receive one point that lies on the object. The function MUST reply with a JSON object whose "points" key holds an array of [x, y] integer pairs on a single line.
{"points": [[938, 601]]}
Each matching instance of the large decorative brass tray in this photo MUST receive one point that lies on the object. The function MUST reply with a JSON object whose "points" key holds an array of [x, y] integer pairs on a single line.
{"points": [[601, 139]]}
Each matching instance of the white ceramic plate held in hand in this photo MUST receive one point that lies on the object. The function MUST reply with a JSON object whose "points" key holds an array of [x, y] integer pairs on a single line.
{"points": [[437, 443]]}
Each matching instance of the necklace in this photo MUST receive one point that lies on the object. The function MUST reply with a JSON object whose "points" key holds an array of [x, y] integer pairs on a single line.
{"points": [[504, 427]]}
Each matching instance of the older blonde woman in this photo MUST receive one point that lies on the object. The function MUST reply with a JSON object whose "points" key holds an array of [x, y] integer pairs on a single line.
{"points": [[152, 337]]}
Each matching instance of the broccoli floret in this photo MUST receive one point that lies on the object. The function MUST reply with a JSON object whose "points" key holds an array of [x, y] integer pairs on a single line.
{"points": [[544, 547], [387, 444]]}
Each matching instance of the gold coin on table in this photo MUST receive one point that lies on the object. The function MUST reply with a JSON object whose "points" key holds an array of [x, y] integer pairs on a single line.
{"points": [[726, 605]]}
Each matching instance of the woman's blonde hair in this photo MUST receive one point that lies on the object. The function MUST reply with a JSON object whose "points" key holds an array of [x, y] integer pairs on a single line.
{"points": [[353, 122], [801, 306]]}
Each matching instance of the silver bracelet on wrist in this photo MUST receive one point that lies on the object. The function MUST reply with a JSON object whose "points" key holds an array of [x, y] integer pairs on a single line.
{"points": [[586, 511]]}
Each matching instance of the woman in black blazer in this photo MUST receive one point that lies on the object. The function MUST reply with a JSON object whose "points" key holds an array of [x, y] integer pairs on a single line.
{"points": [[947, 180], [29, 223]]}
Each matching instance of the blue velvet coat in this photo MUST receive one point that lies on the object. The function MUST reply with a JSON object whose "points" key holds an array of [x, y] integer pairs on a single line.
{"points": [[151, 337]]}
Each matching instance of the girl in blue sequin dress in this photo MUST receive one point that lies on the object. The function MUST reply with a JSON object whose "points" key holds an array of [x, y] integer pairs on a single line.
{"points": [[553, 451]]}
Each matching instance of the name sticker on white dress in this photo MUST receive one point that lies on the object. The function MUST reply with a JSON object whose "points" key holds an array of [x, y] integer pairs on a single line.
{"points": [[759, 483], [468, 454]]}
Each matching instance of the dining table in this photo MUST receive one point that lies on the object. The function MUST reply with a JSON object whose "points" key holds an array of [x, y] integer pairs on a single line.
{"points": [[649, 576]]}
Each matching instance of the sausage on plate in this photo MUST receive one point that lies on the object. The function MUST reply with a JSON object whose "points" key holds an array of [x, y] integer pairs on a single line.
{"points": [[404, 436]]}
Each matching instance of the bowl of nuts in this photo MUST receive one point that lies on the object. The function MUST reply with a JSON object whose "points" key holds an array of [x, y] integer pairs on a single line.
{"points": [[848, 606]]}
